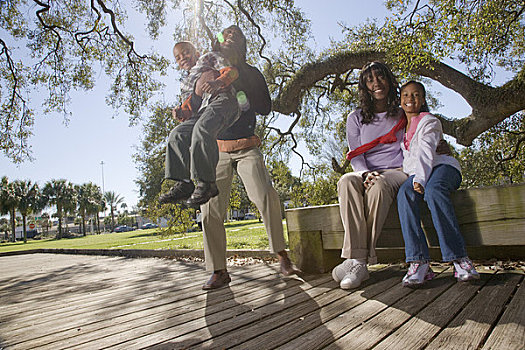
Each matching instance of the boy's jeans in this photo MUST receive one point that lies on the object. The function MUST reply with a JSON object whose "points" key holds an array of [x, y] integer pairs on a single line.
{"points": [[443, 180], [192, 149]]}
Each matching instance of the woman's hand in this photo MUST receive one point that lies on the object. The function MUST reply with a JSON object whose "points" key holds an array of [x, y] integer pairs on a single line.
{"points": [[369, 178], [419, 188], [443, 148]]}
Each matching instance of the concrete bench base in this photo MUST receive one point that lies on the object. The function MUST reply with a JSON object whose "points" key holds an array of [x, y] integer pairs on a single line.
{"points": [[492, 221]]}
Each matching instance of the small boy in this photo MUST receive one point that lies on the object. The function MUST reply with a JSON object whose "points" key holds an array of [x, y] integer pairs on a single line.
{"points": [[209, 106]]}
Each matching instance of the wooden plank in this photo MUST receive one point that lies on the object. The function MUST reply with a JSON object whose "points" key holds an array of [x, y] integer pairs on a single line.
{"points": [[216, 324], [300, 327], [313, 218], [472, 205], [504, 232], [509, 333], [423, 326], [211, 326], [471, 326], [376, 329], [138, 309], [346, 319]]}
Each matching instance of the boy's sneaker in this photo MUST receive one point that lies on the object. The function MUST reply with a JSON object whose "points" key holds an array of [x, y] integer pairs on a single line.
{"points": [[418, 273], [356, 274], [179, 192], [203, 192], [464, 270]]}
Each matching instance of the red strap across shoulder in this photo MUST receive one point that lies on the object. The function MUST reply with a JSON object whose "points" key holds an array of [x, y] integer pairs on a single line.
{"points": [[389, 137]]}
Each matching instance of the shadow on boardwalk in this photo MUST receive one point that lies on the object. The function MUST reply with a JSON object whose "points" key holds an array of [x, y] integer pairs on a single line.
{"points": [[53, 301]]}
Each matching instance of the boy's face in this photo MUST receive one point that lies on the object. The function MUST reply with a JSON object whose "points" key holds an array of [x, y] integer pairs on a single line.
{"points": [[185, 56]]}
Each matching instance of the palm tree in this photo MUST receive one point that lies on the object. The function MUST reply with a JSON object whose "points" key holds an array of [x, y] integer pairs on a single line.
{"points": [[88, 196], [9, 202], [113, 199], [61, 193], [28, 200], [45, 221]]}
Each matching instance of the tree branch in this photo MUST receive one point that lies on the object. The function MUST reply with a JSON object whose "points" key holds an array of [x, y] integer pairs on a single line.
{"points": [[490, 105]]}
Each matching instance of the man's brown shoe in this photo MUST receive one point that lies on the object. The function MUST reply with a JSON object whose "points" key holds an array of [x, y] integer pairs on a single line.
{"points": [[287, 268], [218, 279]]}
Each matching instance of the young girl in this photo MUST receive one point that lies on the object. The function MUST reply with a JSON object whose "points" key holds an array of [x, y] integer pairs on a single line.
{"points": [[432, 178]]}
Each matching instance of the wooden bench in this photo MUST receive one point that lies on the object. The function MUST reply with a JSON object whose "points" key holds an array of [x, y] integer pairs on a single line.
{"points": [[492, 221]]}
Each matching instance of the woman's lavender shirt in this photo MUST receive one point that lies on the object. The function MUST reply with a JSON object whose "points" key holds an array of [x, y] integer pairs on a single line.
{"points": [[383, 156]]}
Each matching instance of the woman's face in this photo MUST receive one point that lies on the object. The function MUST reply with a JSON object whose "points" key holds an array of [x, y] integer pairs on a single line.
{"points": [[377, 85], [412, 99]]}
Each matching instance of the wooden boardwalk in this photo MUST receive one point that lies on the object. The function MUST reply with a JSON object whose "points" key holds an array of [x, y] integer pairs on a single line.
{"points": [[58, 301]]}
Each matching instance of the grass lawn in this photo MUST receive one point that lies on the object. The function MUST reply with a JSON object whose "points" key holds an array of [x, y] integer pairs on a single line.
{"points": [[247, 234]]}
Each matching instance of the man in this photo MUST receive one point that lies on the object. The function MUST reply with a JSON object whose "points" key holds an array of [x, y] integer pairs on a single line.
{"points": [[238, 149]]}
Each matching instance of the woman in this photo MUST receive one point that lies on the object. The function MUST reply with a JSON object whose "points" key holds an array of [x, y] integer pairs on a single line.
{"points": [[374, 132]]}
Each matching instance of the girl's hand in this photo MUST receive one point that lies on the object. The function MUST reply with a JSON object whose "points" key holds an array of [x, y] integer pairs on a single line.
{"points": [[419, 188], [370, 178]]}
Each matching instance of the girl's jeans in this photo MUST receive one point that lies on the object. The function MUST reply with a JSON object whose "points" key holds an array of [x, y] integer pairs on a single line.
{"points": [[443, 180]]}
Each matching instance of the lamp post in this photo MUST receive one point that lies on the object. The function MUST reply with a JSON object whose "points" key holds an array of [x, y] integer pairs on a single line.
{"points": [[103, 192]]}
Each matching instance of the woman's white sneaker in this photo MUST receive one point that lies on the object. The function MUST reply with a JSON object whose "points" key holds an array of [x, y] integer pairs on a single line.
{"points": [[355, 276], [340, 271]]}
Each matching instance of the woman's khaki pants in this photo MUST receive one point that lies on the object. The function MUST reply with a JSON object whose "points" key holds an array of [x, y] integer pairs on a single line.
{"points": [[364, 211]]}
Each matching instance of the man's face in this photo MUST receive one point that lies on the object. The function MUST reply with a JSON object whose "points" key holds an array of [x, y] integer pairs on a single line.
{"points": [[185, 56], [233, 43]]}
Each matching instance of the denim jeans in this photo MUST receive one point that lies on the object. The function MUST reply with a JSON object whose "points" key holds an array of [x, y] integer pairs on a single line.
{"points": [[443, 180], [192, 150]]}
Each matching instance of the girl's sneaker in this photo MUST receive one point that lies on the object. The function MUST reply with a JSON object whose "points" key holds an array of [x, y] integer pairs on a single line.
{"points": [[464, 270], [418, 273]]}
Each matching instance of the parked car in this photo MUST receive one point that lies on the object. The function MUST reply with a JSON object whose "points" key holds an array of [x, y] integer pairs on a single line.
{"points": [[123, 228], [149, 225], [249, 216]]}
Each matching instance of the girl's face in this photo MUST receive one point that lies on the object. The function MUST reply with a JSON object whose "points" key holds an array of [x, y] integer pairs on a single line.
{"points": [[378, 85], [412, 99]]}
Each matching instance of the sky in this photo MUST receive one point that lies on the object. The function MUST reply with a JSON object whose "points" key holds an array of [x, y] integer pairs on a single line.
{"points": [[94, 134]]}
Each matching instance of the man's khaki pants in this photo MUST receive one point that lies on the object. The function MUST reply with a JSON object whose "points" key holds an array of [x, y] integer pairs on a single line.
{"points": [[364, 211], [250, 166]]}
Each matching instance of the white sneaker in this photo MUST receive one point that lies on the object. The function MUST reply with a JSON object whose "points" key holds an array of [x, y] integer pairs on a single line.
{"points": [[418, 273], [355, 276], [340, 271], [464, 270]]}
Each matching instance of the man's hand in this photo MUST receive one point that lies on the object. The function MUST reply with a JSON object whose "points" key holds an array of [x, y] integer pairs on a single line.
{"points": [[370, 179], [419, 188], [212, 87], [443, 148], [203, 84]]}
